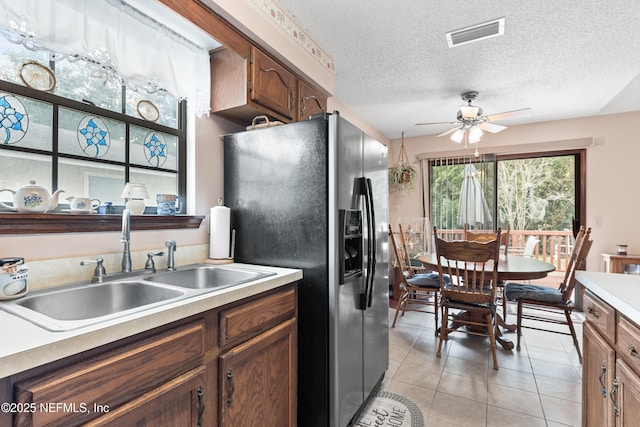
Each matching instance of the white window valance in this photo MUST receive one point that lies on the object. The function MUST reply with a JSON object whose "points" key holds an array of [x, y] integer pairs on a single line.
{"points": [[144, 53]]}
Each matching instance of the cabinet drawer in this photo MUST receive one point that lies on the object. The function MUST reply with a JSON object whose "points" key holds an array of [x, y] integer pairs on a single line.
{"points": [[110, 379], [628, 342], [601, 315], [242, 322]]}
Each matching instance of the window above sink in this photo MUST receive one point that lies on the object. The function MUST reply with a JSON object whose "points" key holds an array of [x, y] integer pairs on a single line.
{"points": [[88, 107]]}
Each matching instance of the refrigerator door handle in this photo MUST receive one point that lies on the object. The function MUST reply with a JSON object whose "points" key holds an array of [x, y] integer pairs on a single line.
{"points": [[372, 242], [363, 190]]}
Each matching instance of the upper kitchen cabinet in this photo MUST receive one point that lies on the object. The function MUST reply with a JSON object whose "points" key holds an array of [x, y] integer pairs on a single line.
{"points": [[310, 101], [272, 86], [245, 86], [246, 81]]}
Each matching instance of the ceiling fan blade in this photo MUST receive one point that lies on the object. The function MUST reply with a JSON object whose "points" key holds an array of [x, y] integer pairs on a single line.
{"points": [[449, 131], [491, 127], [436, 123], [524, 112]]}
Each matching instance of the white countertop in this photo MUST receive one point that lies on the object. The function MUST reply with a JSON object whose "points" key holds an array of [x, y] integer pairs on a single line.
{"points": [[25, 345], [621, 291]]}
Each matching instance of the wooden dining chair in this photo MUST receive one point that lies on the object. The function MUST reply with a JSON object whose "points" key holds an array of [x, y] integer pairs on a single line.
{"points": [[542, 302], [472, 268], [417, 291], [483, 236]]}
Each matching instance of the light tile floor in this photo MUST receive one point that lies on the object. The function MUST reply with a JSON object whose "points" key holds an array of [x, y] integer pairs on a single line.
{"points": [[538, 386]]}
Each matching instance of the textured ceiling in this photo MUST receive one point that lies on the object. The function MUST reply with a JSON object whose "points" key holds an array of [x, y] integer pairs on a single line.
{"points": [[560, 58]]}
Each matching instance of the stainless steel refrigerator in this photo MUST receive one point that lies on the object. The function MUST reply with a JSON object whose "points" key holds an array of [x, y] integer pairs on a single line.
{"points": [[313, 195]]}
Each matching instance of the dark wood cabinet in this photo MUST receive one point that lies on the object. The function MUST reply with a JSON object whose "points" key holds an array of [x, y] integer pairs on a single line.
{"points": [[177, 403], [233, 365], [310, 101], [599, 366], [258, 364], [611, 366], [257, 379], [245, 85], [628, 395], [110, 379], [272, 86], [246, 81], [252, 83]]}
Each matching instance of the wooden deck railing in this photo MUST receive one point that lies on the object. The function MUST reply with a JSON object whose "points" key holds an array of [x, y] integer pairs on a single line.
{"points": [[554, 247]]}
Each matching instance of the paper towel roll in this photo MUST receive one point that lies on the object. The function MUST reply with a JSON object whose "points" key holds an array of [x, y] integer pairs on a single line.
{"points": [[219, 232]]}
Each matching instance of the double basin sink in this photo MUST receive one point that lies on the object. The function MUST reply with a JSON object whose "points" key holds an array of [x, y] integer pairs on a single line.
{"points": [[82, 304]]}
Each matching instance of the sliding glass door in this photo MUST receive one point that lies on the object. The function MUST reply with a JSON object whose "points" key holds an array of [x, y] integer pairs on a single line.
{"points": [[539, 195]]}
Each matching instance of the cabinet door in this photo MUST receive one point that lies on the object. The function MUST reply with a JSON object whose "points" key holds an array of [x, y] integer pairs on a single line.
{"points": [[598, 366], [310, 101], [258, 380], [178, 403], [112, 378], [628, 396], [272, 85]]}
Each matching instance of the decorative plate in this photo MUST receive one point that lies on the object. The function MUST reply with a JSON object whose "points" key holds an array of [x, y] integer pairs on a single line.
{"points": [[148, 110], [37, 76]]}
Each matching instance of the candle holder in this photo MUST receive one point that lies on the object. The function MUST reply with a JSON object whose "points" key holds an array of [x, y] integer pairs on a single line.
{"points": [[135, 194]]}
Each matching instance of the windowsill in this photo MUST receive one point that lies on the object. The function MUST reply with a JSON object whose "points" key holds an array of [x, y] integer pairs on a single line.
{"points": [[22, 223]]}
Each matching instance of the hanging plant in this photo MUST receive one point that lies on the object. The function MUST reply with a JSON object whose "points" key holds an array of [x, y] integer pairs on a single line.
{"points": [[402, 175]]}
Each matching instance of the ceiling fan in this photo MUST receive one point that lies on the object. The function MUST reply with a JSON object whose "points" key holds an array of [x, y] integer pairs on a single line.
{"points": [[471, 120]]}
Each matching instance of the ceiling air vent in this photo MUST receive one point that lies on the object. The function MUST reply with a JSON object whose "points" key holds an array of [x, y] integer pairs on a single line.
{"points": [[476, 32]]}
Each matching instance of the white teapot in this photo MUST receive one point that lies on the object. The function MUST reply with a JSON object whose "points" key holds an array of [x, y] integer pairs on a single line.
{"points": [[32, 199]]}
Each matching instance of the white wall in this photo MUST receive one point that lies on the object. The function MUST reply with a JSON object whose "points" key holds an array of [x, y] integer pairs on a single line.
{"points": [[612, 175]]}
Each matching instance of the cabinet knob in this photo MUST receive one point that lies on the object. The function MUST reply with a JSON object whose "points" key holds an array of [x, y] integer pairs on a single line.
{"points": [[593, 312], [633, 352]]}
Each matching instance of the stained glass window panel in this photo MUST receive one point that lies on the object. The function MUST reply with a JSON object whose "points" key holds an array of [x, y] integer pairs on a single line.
{"points": [[151, 148], [39, 133], [14, 119], [91, 136]]}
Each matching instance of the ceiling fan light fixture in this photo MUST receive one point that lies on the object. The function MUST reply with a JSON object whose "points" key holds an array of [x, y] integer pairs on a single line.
{"points": [[475, 133], [469, 111], [458, 135], [477, 32]]}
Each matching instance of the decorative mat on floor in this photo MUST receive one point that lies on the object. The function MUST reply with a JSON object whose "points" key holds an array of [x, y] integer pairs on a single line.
{"points": [[390, 409]]}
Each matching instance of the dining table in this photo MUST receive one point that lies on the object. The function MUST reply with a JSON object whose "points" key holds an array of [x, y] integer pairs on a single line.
{"points": [[510, 268]]}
